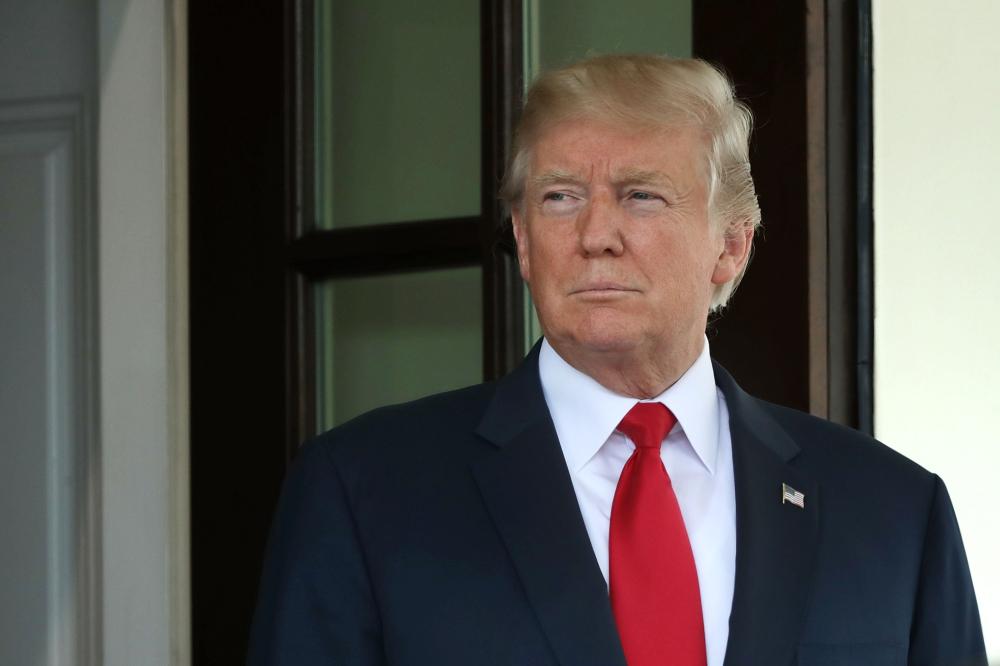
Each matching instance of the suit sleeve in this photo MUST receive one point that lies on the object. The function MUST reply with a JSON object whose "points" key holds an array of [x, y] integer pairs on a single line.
{"points": [[946, 630], [315, 604]]}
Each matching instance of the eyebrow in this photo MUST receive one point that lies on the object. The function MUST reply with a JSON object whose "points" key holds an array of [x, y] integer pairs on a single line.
{"points": [[556, 177], [641, 177], [626, 177]]}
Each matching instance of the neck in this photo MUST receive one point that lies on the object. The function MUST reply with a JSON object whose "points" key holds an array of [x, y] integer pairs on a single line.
{"points": [[637, 373]]}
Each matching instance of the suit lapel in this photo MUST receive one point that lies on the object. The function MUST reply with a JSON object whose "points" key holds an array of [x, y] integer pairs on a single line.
{"points": [[527, 489], [775, 541]]}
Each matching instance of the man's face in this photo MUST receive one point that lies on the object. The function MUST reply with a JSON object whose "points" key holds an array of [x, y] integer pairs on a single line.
{"points": [[615, 242]]}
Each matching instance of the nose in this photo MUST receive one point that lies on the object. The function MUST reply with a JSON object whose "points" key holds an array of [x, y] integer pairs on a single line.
{"points": [[600, 226]]}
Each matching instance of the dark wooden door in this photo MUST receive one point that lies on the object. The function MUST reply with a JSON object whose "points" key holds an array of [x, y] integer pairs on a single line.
{"points": [[798, 331]]}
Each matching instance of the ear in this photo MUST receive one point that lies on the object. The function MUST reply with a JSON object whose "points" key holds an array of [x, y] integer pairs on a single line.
{"points": [[735, 252], [521, 238]]}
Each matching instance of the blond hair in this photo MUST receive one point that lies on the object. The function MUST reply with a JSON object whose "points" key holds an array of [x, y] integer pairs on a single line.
{"points": [[657, 91]]}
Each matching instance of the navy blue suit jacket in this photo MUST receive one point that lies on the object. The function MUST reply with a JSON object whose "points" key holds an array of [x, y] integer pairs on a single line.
{"points": [[446, 532]]}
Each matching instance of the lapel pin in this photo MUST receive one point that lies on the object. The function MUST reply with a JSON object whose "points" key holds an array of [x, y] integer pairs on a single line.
{"points": [[791, 495]]}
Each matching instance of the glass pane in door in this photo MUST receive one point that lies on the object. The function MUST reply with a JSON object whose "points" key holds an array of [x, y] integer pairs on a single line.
{"points": [[396, 114], [387, 339], [558, 32]]}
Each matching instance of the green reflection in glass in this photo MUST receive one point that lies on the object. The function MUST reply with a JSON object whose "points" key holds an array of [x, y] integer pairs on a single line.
{"points": [[397, 129], [559, 32], [388, 339]]}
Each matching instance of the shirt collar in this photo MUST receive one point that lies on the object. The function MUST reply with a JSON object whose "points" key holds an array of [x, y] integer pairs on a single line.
{"points": [[585, 413]]}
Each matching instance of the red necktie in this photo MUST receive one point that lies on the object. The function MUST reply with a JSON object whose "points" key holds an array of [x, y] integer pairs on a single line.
{"points": [[653, 581]]}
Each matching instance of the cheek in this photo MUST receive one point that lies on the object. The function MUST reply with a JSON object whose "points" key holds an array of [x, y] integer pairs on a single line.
{"points": [[684, 276], [704, 255], [544, 278], [545, 256]]}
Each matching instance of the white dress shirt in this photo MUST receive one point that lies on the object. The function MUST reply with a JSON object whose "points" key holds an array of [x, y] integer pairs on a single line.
{"points": [[697, 454]]}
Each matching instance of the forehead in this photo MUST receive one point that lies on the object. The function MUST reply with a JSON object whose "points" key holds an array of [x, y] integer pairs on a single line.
{"points": [[588, 148]]}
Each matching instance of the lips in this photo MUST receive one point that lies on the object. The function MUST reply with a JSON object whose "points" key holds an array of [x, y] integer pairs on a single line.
{"points": [[601, 287]]}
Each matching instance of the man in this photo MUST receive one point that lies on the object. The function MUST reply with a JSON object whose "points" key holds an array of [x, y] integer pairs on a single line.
{"points": [[618, 498]]}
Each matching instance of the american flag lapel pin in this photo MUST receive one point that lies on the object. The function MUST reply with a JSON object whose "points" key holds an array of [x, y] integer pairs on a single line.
{"points": [[791, 495]]}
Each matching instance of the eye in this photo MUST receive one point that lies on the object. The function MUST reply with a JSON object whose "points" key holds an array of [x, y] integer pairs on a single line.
{"points": [[560, 202], [643, 196], [643, 202]]}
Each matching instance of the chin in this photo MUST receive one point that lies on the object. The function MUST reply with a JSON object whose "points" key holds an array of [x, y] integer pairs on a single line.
{"points": [[605, 339], [596, 330]]}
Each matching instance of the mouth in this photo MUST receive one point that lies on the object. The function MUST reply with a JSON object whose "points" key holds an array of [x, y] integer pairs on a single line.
{"points": [[603, 290]]}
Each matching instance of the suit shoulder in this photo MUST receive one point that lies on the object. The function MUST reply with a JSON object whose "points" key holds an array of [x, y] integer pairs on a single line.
{"points": [[396, 429], [836, 448]]}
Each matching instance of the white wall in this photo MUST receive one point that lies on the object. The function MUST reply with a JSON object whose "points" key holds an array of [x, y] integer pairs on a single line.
{"points": [[48, 443], [143, 333], [937, 286], [93, 334]]}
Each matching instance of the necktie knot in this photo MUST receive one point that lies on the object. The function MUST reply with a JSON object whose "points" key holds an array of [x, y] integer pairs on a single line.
{"points": [[647, 423]]}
